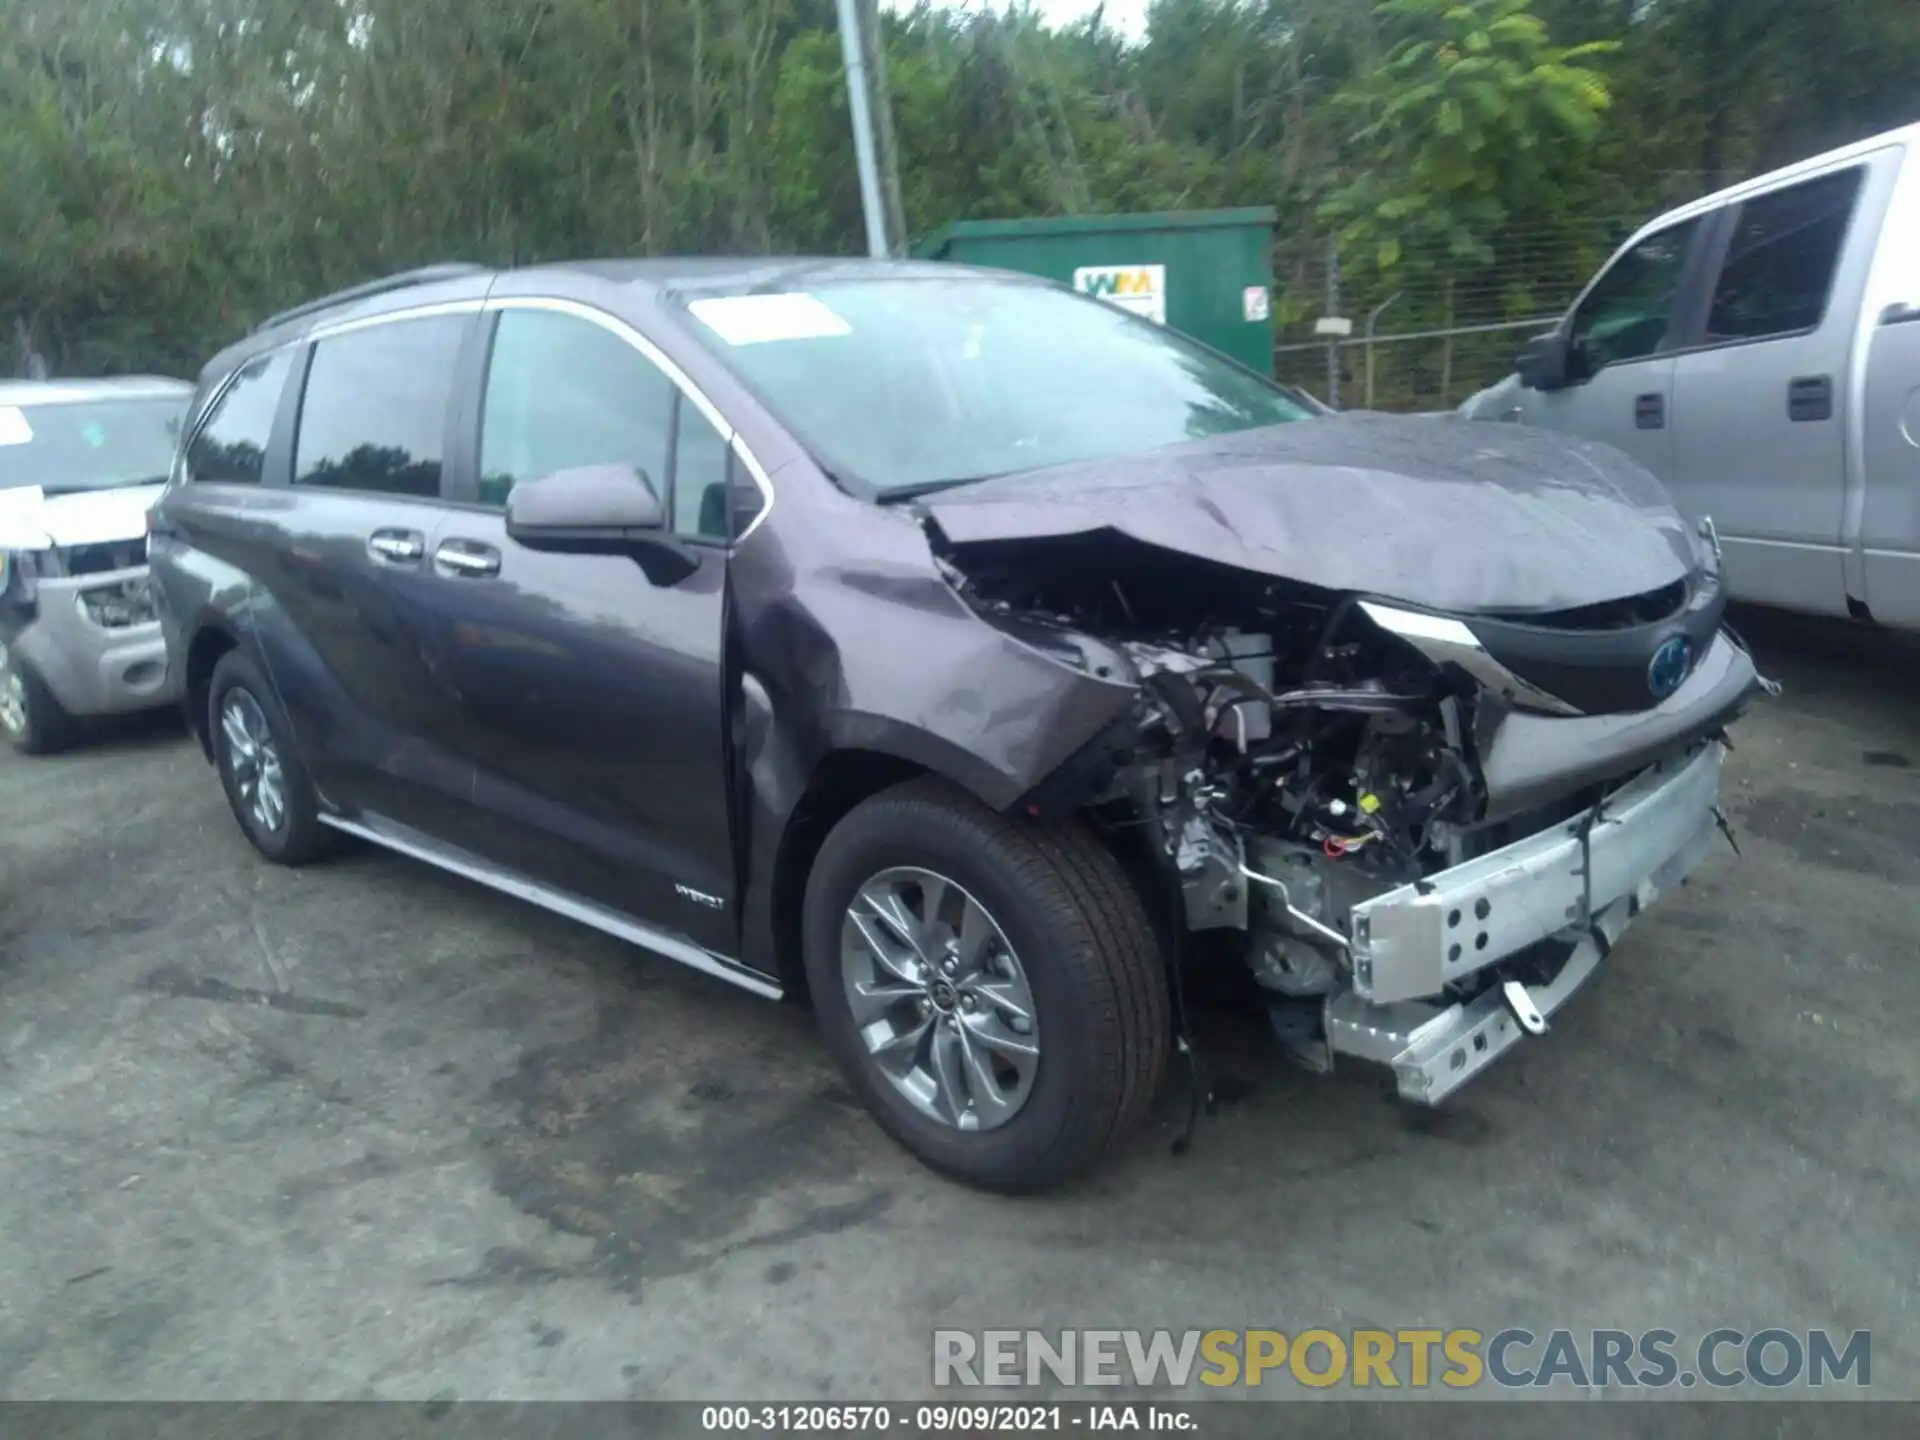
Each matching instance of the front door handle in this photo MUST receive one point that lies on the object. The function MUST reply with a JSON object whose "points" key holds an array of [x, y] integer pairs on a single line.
{"points": [[1810, 397], [1650, 412], [466, 559], [397, 547]]}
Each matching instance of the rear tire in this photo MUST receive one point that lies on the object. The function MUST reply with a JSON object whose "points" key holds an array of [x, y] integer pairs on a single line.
{"points": [[33, 721], [266, 782], [1067, 922]]}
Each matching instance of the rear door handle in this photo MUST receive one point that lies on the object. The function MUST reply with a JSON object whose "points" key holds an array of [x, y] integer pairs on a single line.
{"points": [[1810, 397], [397, 547], [1649, 412], [466, 559]]}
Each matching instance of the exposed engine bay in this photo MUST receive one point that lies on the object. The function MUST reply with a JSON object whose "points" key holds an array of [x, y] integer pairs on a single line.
{"points": [[1296, 754], [1293, 757]]}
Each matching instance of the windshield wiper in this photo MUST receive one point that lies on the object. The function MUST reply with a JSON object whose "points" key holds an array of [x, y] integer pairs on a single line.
{"points": [[930, 487]]}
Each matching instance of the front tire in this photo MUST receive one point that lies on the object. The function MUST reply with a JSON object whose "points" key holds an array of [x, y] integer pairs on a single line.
{"points": [[32, 720], [266, 783], [991, 987]]}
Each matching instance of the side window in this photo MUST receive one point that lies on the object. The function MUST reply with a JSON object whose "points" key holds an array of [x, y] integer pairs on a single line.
{"points": [[374, 416], [230, 448], [702, 478], [563, 392], [1781, 262], [1625, 315]]}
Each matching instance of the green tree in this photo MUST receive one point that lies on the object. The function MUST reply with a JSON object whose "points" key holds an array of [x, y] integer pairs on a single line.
{"points": [[1472, 110]]}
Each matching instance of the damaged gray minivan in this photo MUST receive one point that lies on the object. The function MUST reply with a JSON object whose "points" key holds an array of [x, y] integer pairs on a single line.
{"points": [[962, 652]]}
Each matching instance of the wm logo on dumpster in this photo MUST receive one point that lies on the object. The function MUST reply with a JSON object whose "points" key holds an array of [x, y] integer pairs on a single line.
{"points": [[1141, 289]]}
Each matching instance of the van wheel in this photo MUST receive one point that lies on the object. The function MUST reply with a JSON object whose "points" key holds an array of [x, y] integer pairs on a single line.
{"points": [[265, 781], [30, 717], [991, 987]]}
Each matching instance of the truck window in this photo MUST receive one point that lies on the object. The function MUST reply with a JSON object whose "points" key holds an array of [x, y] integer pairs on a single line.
{"points": [[1625, 315], [1780, 264]]}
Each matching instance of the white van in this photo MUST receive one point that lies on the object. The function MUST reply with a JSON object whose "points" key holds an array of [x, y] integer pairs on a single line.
{"points": [[1759, 351]]}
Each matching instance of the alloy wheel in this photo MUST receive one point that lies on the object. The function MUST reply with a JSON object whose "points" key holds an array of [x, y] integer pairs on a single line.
{"points": [[939, 998], [13, 699], [254, 760]]}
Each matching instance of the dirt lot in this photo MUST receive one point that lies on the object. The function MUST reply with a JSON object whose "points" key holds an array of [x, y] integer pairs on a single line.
{"points": [[369, 1131]]}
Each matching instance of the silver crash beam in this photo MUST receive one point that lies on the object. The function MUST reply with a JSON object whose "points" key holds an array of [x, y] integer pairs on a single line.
{"points": [[1579, 883]]}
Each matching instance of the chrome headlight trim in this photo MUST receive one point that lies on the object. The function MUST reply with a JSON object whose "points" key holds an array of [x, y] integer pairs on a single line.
{"points": [[1447, 641]]}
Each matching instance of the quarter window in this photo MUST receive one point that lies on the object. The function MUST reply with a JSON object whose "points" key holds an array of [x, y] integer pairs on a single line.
{"points": [[1780, 264], [230, 448], [1625, 315], [374, 416], [702, 478]]}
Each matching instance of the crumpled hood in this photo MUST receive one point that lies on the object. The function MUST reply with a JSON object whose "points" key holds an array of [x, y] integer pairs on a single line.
{"points": [[1432, 511], [33, 520]]}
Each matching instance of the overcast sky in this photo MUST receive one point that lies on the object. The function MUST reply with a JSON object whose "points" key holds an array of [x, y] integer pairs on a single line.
{"points": [[1126, 16]]}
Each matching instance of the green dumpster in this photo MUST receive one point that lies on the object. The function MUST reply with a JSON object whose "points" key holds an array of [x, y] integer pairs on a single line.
{"points": [[1208, 273]]}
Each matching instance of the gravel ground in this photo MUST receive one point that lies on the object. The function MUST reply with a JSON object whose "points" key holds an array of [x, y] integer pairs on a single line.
{"points": [[368, 1131]]}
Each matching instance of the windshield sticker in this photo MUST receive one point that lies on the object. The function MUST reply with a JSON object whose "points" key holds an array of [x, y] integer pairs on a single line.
{"points": [[760, 319], [14, 429]]}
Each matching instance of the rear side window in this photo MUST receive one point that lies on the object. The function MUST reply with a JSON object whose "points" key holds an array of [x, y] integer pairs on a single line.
{"points": [[564, 393], [1781, 262], [230, 448], [374, 416]]}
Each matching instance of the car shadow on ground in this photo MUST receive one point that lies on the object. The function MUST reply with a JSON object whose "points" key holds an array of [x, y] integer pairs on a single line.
{"points": [[141, 730]]}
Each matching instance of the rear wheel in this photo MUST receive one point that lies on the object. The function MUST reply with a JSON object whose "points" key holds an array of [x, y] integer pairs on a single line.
{"points": [[991, 987], [265, 781], [30, 717]]}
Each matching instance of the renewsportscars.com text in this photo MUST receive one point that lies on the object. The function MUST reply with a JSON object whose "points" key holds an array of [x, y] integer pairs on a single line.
{"points": [[1459, 1359]]}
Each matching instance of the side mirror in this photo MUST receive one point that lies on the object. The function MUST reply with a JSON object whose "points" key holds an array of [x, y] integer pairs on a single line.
{"points": [[599, 510], [1546, 362], [597, 507]]}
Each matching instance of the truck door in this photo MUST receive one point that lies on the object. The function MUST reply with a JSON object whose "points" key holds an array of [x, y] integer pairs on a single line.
{"points": [[1618, 339], [1761, 394]]}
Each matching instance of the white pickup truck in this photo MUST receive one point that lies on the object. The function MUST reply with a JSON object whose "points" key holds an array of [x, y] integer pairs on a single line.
{"points": [[1759, 351]]}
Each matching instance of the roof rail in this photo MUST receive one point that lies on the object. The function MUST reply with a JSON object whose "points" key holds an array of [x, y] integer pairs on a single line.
{"points": [[425, 275]]}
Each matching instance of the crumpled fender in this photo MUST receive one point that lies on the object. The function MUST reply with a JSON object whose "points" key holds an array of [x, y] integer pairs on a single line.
{"points": [[819, 667]]}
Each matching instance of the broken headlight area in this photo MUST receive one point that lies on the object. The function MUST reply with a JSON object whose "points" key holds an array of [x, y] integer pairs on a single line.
{"points": [[1289, 755], [1305, 772], [119, 605], [1283, 798]]}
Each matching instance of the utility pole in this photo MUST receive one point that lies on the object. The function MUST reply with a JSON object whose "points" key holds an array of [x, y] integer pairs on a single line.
{"points": [[1332, 330], [853, 49], [880, 99]]}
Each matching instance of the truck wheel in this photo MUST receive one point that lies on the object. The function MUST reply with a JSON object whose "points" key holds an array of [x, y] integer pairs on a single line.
{"points": [[31, 718], [991, 987], [265, 781]]}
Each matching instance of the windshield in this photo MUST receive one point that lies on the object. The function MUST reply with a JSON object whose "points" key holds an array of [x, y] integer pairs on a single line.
{"points": [[907, 385], [90, 445]]}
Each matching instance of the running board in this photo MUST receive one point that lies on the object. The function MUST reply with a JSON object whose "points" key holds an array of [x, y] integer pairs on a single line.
{"points": [[412, 843]]}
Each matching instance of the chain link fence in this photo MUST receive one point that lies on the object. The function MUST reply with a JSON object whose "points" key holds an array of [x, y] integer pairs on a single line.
{"points": [[1430, 330]]}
